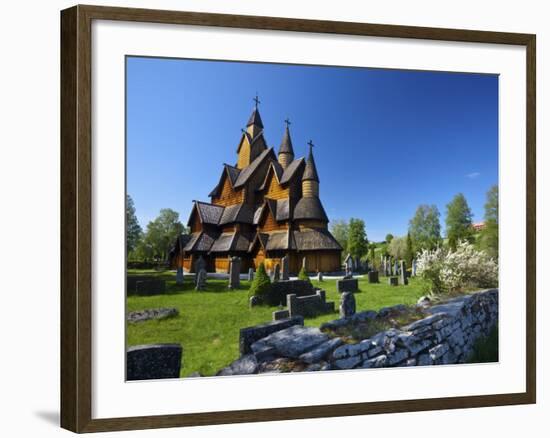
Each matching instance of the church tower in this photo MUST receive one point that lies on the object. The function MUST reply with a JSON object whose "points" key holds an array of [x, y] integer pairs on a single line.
{"points": [[310, 179], [286, 151], [252, 142]]}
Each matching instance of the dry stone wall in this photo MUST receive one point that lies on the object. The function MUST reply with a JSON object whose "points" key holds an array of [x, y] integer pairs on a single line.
{"points": [[446, 336]]}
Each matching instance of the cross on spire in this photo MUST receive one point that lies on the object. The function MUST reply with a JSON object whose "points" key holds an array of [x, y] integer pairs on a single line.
{"points": [[310, 144], [287, 121], [257, 100]]}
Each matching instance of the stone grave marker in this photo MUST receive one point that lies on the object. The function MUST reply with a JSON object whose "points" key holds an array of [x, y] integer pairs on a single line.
{"points": [[156, 361], [347, 305], [250, 274], [319, 276], [373, 277], [285, 271], [392, 281], [413, 268], [277, 273], [179, 276], [403, 273], [347, 285], [200, 282], [235, 273], [200, 264]]}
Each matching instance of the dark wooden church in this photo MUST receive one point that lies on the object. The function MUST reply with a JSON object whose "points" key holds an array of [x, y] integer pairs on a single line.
{"points": [[264, 207]]}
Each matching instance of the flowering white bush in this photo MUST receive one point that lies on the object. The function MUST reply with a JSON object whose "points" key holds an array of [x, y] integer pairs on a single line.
{"points": [[451, 271]]}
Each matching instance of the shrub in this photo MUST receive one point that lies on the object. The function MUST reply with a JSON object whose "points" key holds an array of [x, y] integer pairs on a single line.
{"points": [[451, 271], [302, 275], [261, 284]]}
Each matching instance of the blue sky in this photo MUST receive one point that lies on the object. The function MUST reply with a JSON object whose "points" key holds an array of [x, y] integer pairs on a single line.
{"points": [[386, 140]]}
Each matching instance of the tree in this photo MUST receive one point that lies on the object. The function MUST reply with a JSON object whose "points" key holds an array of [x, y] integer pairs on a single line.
{"points": [[133, 229], [358, 244], [340, 231], [398, 247], [372, 253], [261, 284], [458, 221], [162, 232], [389, 237], [489, 234], [302, 275], [424, 227], [409, 251]]}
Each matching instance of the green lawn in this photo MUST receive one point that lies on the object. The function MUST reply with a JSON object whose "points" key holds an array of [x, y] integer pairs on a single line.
{"points": [[209, 321]]}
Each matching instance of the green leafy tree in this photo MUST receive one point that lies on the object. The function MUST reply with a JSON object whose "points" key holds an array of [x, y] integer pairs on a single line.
{"points": [[372, 254], [409, 250], [261, 284], [340, 231], [302, 275], [133, 229], [458, 221], [162, 232], [389, 237], [397, 248], [424, 227], [489, 234], [358, 244]]}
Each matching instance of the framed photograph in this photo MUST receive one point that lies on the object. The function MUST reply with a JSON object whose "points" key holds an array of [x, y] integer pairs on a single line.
{"points": [[269, 218]]}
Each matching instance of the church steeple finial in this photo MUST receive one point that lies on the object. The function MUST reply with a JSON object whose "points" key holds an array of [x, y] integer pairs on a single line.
{"points": [[286, 151], [255, 125]]}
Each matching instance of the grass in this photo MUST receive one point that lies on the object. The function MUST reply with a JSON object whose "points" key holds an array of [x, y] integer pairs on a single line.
{"points": [[209, 321]]}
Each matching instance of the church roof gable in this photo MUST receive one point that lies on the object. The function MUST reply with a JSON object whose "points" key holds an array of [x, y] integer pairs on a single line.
{"points": [[310, 208], [249, 170], [291, 170]]}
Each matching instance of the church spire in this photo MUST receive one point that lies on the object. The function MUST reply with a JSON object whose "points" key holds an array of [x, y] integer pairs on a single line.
{"points": [[286, 151], [310, 178], [254, 124]]}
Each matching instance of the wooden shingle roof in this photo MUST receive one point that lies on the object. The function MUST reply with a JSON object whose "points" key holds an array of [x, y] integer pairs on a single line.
{"points": [[208, 213], [292, 170], [255, 119], [310, 208], [201, 241], [249, 170], [315, 239], [286, 143], [238, 213], [310, 172]]}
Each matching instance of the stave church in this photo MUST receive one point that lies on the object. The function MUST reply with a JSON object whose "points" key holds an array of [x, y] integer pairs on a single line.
{"points": [[263, 208]]}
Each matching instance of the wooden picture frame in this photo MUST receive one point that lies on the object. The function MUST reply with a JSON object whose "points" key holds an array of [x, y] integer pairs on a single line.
{"points": [[76, 217]]}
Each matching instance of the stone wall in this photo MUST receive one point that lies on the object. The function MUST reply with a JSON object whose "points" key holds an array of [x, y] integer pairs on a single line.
{"points": [[446, 335]]}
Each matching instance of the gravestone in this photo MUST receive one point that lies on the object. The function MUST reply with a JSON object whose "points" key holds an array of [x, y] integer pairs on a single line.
{"points": [[276, 273], [285, 271], [357, 264], [348, 261], [413, 268], [347, 285], [156, 361], [388, 267], [200, 281], [373, 277], [320, 276], [235, 273], [304, 264], [367, 267], [150, 287], [309, 305], [347, 305], [395, 268], [200, 264], [392, 281], [403, 273], [250, 274], [179, 276]]}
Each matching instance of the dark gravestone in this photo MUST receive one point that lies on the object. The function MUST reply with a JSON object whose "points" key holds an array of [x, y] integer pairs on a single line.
{"points": [[200, 264], [347, 285], [347, 305], [157, 361], [392, 281], [249, 335], [200, 280], [373, 277], [280, 289], [309, 305], [150, 287], [403, 273], [250, 274], [179, 276], [131, 281], [285, 270], [235, 273], [277, 273]]}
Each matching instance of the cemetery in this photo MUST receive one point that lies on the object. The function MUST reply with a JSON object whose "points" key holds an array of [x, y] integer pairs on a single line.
{"points": [[302, 326]]}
